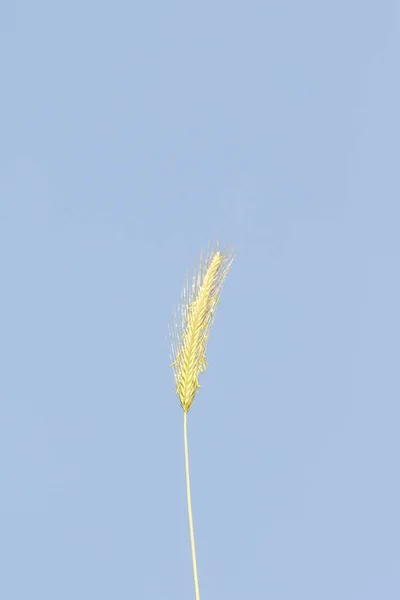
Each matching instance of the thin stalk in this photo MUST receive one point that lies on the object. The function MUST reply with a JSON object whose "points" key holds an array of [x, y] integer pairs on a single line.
{"points": [[189, 503]]}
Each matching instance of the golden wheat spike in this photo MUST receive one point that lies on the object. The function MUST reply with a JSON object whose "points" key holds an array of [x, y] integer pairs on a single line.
{"points": [[189, 333], [193, 318]]}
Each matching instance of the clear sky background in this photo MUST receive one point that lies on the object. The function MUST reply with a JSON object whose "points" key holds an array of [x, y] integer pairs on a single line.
{"points": [[132, 135]]}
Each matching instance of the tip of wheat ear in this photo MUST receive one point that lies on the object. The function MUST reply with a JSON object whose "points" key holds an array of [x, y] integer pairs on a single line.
{"points": [[192, 321]]}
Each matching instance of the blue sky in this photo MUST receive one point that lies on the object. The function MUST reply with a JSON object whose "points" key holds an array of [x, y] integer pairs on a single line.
{"points": [[133, 135]]}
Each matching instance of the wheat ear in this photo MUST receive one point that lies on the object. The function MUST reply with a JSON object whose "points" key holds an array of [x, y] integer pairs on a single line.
{"points": [[189, 333]]}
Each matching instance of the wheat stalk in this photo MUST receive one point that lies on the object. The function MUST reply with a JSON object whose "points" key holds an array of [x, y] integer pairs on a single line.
{"points": [[189, 333]]}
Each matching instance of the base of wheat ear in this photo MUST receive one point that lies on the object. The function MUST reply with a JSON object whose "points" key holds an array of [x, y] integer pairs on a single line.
{"points": [[189, 332]]}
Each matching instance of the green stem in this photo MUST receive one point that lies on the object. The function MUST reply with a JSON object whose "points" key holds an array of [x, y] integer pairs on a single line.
{"points": [[189, 503]]}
